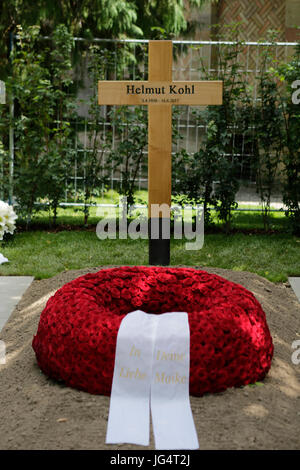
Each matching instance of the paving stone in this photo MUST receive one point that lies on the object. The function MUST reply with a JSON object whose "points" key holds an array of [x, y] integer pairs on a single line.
{"points": [[11, 290], [295, 283]]}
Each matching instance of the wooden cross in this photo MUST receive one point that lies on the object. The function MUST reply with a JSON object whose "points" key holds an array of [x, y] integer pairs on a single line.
{"points": [[159, 93]]}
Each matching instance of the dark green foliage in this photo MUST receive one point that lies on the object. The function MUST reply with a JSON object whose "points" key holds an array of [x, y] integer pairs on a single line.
{"points": [[93, 18], [271, 126], [93, 159], [128, 156], [193, 175], [40, 83], [290, 73], [210, 176], [268, 123]]}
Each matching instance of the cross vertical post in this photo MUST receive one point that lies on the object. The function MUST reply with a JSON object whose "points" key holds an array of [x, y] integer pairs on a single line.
{"points": [[159, 154]]}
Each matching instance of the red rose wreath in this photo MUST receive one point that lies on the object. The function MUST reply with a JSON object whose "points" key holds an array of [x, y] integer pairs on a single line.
{"points": [[230, 342]]}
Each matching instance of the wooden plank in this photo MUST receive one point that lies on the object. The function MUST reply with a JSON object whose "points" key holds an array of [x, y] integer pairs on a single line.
{"points": [[159, 157], [160, 92], [160, 129]]}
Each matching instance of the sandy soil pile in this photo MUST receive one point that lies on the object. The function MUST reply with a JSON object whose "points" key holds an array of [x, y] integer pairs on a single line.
{"points": [[39, 413]]}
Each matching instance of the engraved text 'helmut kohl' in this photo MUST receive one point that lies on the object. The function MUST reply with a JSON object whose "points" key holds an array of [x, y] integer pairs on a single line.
{"points": [[162, 90]]}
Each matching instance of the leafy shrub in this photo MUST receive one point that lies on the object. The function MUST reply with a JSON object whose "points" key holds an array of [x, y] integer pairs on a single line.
{"points": [[289, 73], [40, 83], [268, 125]]}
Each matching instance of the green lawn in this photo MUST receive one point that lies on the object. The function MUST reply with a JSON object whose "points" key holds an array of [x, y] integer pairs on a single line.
{"points": [[44, 254]]}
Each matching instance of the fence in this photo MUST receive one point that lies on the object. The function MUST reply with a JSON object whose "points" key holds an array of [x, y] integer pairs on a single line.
{"points": [[189, 59]]}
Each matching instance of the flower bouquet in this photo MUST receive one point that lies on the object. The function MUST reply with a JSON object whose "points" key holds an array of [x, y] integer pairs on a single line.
{"points": [[7, 223], [7, 219]]}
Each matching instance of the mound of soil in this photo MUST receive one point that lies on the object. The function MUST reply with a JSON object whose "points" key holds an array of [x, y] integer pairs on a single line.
{"points": [[39, 413]]}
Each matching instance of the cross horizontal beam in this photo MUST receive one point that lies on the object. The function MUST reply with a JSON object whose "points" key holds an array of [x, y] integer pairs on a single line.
{"points": [[197, 93]]}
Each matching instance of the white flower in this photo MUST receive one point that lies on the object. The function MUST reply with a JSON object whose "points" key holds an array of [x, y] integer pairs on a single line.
{"points": [[2, 221], [7, 219], [10, 214], [10, 228], [4, 208]]}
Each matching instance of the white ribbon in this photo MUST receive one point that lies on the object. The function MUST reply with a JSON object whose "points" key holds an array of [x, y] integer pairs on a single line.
{"points": [[152, 359], [129, 403]]}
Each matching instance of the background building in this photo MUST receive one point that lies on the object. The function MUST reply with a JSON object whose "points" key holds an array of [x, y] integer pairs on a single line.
{"points": [[257, 17]]}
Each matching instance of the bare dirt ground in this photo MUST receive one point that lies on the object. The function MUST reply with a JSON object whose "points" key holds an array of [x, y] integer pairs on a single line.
{"points": [[39, 413]]}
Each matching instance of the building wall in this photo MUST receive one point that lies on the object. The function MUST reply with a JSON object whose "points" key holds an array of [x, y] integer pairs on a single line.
{"points": [[202, 18], [258, 16], [292, 20]]}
